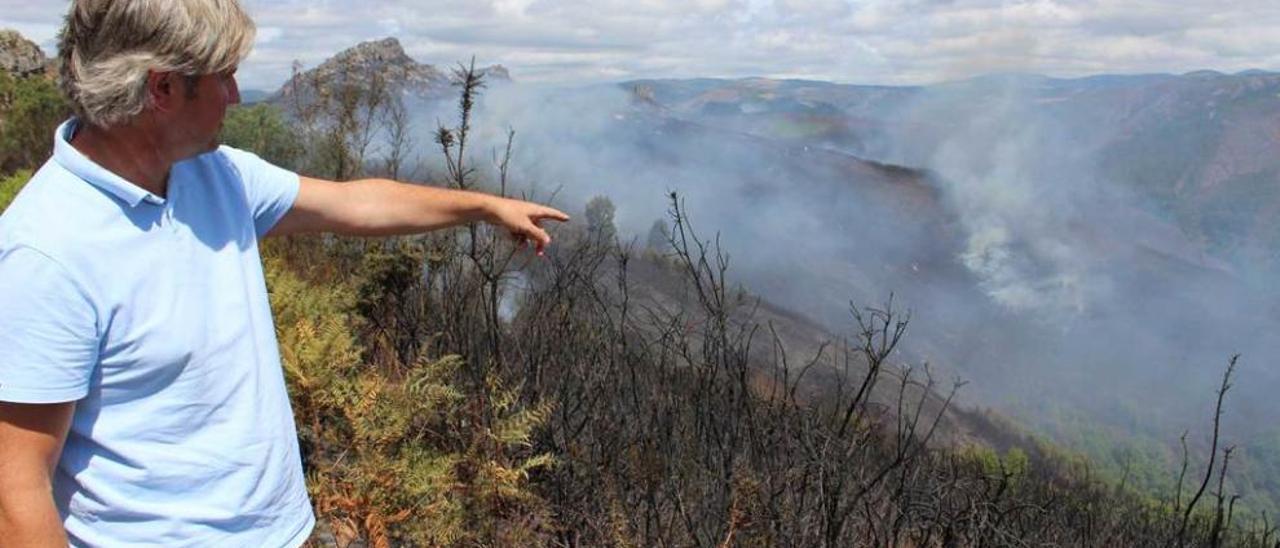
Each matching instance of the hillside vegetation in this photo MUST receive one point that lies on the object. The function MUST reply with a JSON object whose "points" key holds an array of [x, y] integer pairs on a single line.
{"points": [[452, 390]]}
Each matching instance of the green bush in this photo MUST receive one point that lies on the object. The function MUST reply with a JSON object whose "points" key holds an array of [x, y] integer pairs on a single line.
{"points": [[397, 453], [30, 109]]}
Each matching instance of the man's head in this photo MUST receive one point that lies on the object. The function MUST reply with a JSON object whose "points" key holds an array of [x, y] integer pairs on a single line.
{"points": [[122, 57]]}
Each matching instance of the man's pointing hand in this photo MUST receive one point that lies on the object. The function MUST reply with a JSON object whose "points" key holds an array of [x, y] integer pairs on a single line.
{"points": [[524, 220]]}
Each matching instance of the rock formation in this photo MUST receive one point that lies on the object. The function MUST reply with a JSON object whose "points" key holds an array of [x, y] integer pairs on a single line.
{"points": [[19, 55]]}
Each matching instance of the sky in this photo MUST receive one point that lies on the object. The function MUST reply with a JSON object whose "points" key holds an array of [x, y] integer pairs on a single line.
{"points": [[847, 41]]}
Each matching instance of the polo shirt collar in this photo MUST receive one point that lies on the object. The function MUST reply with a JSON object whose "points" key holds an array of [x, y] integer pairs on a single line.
{"points": [[81, 166]]}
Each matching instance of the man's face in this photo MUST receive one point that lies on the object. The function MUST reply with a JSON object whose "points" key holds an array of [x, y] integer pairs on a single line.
{"points": [[204, 107]]}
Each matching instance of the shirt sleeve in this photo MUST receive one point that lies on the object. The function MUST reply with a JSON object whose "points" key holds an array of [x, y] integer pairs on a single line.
{"points": [[269, 189], [48, 331]]}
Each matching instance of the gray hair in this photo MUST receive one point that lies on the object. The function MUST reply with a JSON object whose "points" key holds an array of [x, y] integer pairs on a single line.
{"points": [[107, 47]]}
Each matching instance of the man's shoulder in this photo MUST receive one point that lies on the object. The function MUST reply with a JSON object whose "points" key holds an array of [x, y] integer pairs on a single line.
{"points": [[223, 157], [241, 163], [50, 174], [37, 198], [51, 211], [227, 162]]}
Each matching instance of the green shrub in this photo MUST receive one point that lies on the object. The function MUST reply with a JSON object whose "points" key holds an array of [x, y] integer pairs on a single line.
{"points": [[30, 109]]}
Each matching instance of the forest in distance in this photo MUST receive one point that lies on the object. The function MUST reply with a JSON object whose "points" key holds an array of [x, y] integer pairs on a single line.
{"points": [[651, 383]]}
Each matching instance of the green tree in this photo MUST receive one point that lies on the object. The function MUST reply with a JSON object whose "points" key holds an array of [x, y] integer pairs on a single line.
{"points": [[263, 130]]}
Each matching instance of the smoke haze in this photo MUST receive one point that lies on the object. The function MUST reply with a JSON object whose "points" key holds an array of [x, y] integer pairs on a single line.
{"points": [[990, 207]]}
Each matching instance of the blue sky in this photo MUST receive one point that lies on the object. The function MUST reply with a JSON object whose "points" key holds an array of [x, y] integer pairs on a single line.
{"points": [[853, 41]]}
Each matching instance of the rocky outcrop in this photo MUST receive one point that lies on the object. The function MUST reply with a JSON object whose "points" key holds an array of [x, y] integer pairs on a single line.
{"points": [[382, 61], [19, 55]]}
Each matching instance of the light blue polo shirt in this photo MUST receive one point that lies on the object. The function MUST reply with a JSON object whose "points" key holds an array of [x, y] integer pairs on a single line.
{"points": [[152, 314]]}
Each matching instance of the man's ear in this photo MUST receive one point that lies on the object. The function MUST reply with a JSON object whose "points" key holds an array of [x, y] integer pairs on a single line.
{"points": [[163, 90]]}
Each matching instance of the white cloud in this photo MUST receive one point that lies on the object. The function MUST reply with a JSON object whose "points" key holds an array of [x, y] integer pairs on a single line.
{"points": [[865, 41], [267, 35]]}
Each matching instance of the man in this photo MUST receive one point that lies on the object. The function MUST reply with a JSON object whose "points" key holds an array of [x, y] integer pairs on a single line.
{"points": [[142, 400]]}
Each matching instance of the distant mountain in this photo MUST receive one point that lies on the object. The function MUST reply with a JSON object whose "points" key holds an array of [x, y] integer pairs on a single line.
{"points": [[1201, 147], [19, 55], [381, 61]]}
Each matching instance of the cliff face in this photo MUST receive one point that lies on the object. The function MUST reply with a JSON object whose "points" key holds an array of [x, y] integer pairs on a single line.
{"points": [[384, 59], [19, 55]]}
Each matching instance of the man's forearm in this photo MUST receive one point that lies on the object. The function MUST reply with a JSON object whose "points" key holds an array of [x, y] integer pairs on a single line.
{"points": [[386, 207], [379, 207], [29, 518], [31, 438]]}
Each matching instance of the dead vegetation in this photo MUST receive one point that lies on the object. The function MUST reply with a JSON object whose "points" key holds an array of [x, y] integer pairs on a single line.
{"points": [[451, 391]]}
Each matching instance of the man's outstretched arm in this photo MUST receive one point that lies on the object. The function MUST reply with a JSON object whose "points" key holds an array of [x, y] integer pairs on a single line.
{"points": [[380, 207], [31, 438]]}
